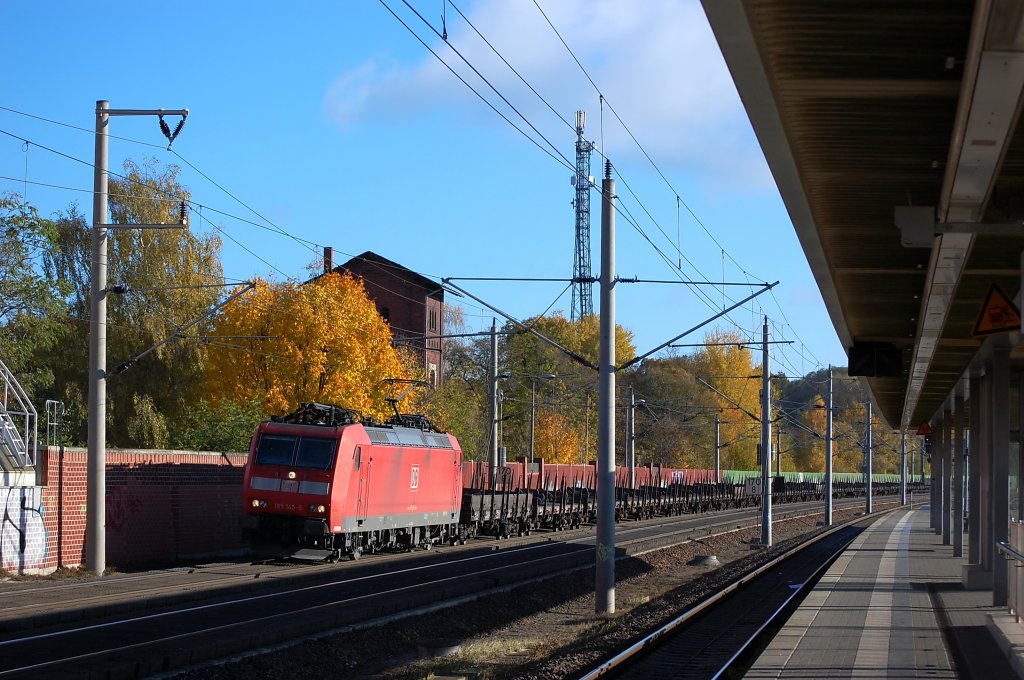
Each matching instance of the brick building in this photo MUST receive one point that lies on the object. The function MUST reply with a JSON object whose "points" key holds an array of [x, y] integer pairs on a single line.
{"points": [[410, 303]]}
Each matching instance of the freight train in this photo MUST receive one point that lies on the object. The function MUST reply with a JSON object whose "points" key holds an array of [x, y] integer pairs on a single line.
{"points": [[324, 482]]}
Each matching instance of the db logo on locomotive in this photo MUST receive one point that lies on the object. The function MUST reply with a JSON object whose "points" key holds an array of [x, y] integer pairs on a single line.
{"points": [[414, 478]]}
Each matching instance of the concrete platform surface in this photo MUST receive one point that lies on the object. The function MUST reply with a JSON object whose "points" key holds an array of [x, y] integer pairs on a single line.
{"points": [[892, 606]]}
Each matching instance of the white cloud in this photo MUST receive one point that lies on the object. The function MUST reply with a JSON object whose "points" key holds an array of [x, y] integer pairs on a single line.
{"points": [[656, 62]]}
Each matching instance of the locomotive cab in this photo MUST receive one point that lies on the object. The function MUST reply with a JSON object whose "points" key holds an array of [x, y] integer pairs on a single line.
{"points": [[287, 493]]}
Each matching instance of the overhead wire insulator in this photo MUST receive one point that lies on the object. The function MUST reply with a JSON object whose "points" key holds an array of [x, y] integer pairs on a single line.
{"points": [[182, 213], [165, 128]]}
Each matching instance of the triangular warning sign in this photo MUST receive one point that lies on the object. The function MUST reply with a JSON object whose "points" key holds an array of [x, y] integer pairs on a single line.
{"points": [[998, 314], [924, 429]]}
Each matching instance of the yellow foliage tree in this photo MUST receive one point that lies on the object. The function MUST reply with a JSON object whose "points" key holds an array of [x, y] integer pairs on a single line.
{"points": [[808, 450], [726, 363], [556, 441], [323, 341]]}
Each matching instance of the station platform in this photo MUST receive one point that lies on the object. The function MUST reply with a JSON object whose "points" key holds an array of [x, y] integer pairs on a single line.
{"points": [[891, 606]]}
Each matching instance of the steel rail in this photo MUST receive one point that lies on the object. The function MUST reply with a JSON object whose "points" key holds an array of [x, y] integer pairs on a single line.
{"points": [[691, 613], [289, 615], [285, 616]]}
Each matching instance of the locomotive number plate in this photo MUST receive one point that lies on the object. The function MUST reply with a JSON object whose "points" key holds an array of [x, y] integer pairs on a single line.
{"points": [[290, 485]]}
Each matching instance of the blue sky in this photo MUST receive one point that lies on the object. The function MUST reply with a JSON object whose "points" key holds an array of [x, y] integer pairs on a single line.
{"points": [[337, 126]]}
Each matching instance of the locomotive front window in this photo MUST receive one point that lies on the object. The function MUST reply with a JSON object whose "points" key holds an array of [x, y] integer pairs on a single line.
{"points": [[275, 450], [316, 453]]}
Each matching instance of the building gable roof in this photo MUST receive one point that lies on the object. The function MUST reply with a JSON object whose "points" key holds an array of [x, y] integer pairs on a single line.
{"points": [[368, 262]]}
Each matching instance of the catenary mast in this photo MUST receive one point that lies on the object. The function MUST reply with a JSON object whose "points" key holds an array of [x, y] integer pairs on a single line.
{"points": [[582, 295]]}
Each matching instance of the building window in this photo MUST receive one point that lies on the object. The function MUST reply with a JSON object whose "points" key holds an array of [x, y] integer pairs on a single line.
{"points": [[433, 320], [432, 374]]}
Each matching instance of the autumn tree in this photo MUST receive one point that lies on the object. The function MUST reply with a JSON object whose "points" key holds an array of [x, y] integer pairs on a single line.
{"points": [[158, 281], [675, 425], [322, 341], [726, 365], [556, 440], [572, 395]]}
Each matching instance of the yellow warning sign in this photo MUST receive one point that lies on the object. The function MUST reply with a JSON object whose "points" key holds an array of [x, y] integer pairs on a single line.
{"points": [[998, 314], [924, 429]]}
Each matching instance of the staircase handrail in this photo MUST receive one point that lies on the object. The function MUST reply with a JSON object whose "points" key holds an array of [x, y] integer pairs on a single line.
{"points": [[24, 409]]}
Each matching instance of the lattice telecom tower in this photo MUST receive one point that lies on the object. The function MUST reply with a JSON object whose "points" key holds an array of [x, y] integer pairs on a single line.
{"points": [[582, 286]]}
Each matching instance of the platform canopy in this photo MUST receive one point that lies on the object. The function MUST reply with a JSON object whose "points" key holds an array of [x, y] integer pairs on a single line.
{"points": [[869, 109]]}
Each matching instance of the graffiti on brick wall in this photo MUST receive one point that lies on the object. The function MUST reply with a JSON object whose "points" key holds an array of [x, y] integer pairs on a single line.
{"points": [[23, 536], [120, 504]]}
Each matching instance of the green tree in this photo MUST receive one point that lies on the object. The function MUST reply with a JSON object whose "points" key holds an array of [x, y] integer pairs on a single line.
{"points": [[460, 405], [31, 299], [227, 426]]}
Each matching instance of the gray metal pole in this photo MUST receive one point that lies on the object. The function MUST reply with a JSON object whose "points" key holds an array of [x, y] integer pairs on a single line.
{"points": [[766, 441], [533, 414], [867, 463], [95, 532], [903, 468], [778, 451], [493, 394], [605, 551], [631, 439], [718, 450], [828, 453]]}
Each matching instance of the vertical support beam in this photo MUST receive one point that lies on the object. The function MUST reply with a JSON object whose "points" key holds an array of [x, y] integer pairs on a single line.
{"points": [[959, 422], [631, 439], [972, 472], [1000, 470], [947, 475], [493, 398], [903, 468], [868, 468], [828, 452], [605, 551], [936, 503], [1020, 450], [766, 440], [778, 451], [96, 522], [718, 450], [985, 475]]}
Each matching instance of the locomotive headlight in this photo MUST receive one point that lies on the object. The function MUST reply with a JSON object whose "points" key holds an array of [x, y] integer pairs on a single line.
{"points": [[255, 503], [263, 504], [312, 507], [320, 508], [291, 475]]}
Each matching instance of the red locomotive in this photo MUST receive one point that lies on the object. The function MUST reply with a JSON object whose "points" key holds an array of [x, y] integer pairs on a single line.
{"points": [[323, 483]]}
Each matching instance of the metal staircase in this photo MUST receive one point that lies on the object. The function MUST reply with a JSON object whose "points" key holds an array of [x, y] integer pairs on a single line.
{"points": [[19, 433]]}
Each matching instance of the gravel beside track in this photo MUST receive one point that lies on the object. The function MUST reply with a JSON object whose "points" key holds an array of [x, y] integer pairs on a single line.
{"points": [[543, 630]]}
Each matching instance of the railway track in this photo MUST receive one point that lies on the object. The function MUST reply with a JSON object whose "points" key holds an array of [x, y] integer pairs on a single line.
{"points": [[721, 636], [32, 604], [222, 612]]}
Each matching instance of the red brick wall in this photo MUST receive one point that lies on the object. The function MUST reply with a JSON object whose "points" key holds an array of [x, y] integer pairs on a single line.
{"points": [[160, 505]]}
